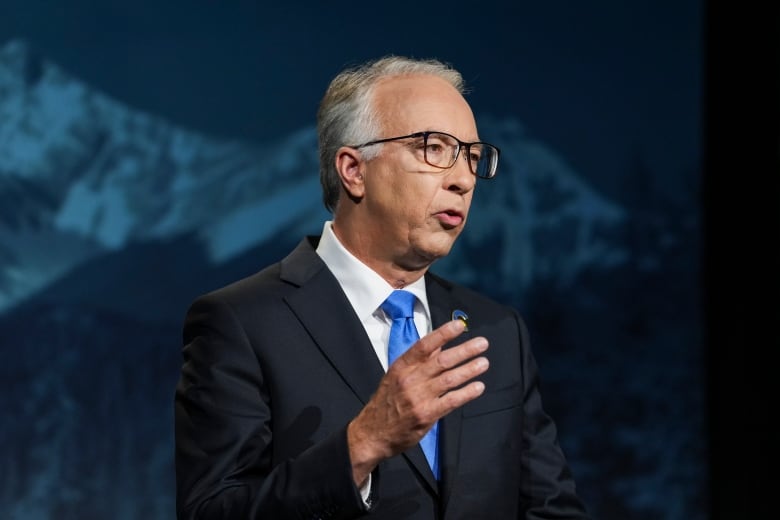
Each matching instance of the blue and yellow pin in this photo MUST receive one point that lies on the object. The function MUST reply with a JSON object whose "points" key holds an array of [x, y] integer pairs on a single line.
{"points": [[458, 314]]}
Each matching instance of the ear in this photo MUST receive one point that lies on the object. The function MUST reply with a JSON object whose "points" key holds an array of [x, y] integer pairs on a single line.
{"points": [[350, 166]]}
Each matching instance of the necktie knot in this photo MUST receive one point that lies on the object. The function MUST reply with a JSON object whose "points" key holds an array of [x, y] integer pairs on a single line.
{"points": [[399, 305]]}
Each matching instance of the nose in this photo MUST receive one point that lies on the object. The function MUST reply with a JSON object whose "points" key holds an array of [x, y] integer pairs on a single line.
{"points": [[459, 177]]}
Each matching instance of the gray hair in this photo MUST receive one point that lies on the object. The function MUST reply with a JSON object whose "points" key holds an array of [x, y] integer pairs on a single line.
{"points": [[347, 115]]}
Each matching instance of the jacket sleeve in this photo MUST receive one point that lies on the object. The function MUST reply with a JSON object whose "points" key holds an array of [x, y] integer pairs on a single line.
{"points": [[224, 435], [547, 486]]}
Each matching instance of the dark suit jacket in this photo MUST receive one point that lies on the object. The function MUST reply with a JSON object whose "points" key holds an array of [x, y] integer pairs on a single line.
{"points": [[275, 367]]}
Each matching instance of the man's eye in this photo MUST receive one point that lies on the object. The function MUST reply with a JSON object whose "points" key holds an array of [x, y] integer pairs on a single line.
{"points": [[434, 147], [475, 152]]}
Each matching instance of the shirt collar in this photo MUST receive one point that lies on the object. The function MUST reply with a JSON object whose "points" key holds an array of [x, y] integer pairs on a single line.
{"points": [[365, 289]]}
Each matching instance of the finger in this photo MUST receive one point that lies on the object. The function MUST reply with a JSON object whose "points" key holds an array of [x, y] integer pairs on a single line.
{"points": [[454, 356], [456, 398], [456, 377], [435, 340]]}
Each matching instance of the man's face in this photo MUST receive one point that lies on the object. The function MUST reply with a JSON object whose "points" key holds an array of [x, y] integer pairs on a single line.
{"points": [[414, 212]]}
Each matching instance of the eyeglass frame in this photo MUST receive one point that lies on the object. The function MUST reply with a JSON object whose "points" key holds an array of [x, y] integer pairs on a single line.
{"points": [[425, 135]]}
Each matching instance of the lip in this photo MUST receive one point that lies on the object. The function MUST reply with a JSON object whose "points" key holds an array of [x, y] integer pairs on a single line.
{"points": [[450, 218]]}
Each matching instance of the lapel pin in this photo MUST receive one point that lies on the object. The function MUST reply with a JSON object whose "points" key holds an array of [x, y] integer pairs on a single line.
{"points": [[458, 314]]}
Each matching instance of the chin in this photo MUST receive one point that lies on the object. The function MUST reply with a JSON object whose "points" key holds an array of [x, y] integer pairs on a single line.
{"points": [[428, 247], [433, 252]]}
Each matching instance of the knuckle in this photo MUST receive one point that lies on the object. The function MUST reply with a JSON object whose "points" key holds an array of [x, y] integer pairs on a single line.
{"points": [[418, 415], [404, 380], [448, 379]]}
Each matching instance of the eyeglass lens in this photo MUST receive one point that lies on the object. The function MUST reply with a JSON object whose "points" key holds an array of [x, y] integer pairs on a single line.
{"points": [[441, 150]]}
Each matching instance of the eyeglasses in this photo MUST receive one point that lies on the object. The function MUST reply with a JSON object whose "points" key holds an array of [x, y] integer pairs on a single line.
{"points": [[441, 151]]}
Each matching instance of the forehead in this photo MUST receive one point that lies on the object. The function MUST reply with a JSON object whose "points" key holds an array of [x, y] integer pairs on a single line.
{"points": [[414, 103]]}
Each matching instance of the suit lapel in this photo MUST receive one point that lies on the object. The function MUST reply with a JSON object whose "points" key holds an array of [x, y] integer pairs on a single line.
{"points": [[442, 304], [324, 310]]}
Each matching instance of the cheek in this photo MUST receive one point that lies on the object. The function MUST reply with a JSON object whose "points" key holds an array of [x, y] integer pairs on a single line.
{"points": [[412, 203], [422, 207], [385, 197]]}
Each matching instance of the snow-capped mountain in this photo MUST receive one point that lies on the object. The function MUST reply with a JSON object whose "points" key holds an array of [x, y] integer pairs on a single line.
{"points": [[111, 219], [82, 174]]}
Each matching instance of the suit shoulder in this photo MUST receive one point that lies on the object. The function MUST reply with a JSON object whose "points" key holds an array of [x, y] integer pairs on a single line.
{"points": [[254, 288], [272, 283]]}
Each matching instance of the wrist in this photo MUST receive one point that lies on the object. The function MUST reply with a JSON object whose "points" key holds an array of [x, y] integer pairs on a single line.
{"points": [[364, 453]]}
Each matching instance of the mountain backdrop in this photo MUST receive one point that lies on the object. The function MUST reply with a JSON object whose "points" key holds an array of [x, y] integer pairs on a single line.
{"points": [[112, 220]]}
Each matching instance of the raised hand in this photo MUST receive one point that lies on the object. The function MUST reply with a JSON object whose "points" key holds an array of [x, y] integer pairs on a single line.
{"points": [[422, 386]]}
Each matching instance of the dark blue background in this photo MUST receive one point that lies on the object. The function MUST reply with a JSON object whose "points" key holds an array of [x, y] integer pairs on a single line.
{"points": [[607, 97]]}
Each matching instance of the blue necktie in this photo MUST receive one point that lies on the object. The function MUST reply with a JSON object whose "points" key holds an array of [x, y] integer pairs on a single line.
{"points": [[399, 306]]}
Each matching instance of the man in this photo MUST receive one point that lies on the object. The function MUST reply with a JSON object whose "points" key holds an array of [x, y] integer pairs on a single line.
{"points": [[287, 405]]}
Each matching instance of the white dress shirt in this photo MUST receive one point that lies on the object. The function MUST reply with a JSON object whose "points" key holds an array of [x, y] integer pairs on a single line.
{"points": [[366, 291]]}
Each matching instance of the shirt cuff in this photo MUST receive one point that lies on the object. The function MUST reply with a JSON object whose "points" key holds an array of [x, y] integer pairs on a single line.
{"points": [[365, 492]]}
